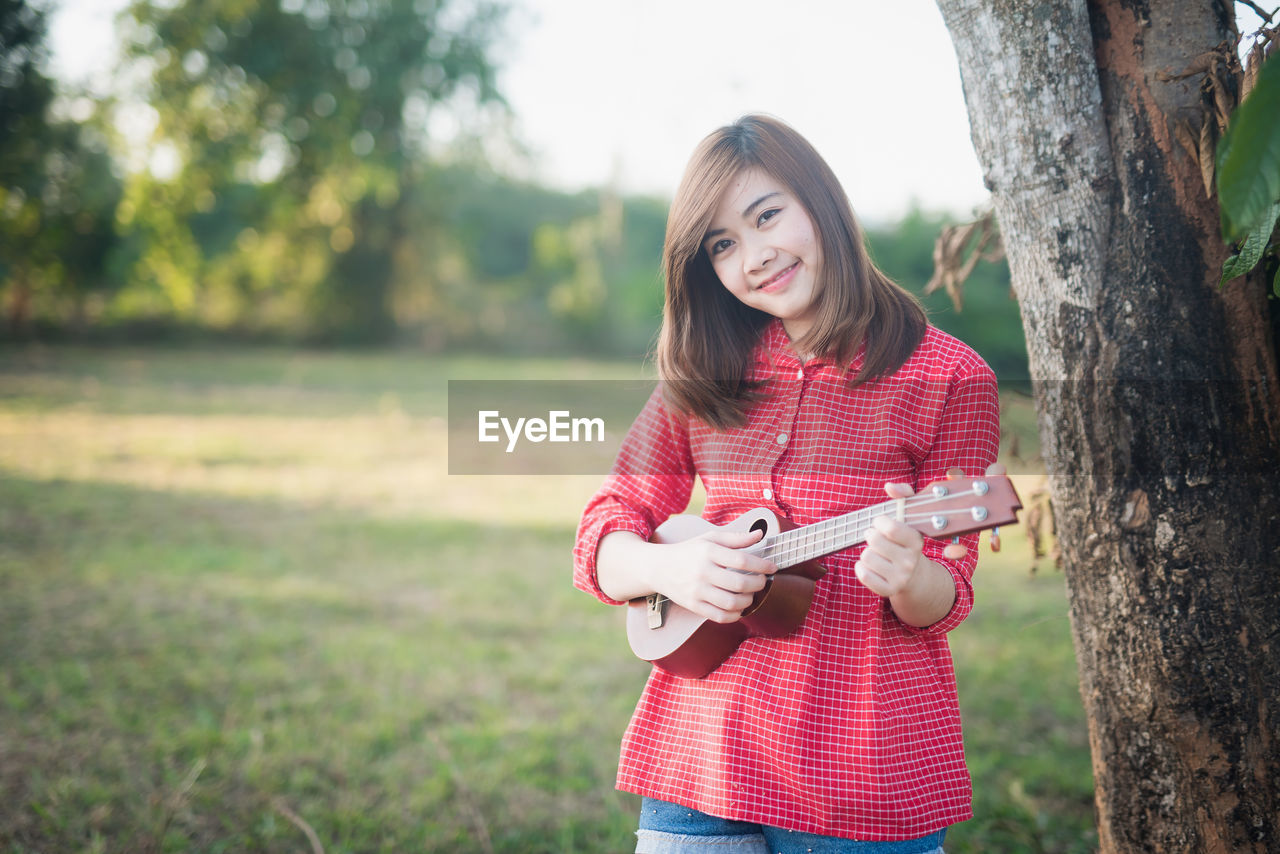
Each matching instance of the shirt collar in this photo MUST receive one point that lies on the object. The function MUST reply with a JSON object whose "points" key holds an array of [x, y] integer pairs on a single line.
{"points": [[776, 346], [776, 350]]}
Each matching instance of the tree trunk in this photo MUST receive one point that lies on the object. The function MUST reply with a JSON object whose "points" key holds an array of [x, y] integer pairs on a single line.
{"points": [[20, 305], [1158, 406]]}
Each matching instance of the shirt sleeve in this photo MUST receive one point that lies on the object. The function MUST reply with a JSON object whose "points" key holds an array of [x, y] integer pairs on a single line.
{"points": [[968, 437], [652, 479]]}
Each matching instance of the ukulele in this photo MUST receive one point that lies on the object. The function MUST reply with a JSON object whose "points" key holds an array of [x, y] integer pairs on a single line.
{"points": [[685, 644]]}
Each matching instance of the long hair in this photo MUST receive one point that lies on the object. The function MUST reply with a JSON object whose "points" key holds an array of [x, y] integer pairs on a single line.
{"points": [[708, 335]]}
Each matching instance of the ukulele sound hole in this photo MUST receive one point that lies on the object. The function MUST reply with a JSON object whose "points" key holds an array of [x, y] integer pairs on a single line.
{"points": [[761, 525]]}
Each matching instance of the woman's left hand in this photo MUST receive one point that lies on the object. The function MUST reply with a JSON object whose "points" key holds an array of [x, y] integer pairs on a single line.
{"points": [[893, 554]]}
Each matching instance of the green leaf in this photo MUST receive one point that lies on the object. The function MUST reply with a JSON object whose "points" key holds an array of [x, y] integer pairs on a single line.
{"points": [[1249, 156], [1255, 244]]}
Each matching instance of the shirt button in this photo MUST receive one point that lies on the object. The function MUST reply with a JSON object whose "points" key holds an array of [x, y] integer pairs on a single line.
{"points": [[800, 374], [782, 438], [768, 494]]}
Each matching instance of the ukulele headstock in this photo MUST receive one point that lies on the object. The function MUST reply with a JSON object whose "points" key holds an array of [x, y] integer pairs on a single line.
{"points": [[962, 505]]}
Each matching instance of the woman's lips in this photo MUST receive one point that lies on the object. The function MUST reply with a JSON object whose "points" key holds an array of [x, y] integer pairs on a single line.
{"points": [[779, 280]]}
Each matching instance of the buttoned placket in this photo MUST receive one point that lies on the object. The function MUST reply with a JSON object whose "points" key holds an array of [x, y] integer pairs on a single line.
{"points": [[782, 438]]}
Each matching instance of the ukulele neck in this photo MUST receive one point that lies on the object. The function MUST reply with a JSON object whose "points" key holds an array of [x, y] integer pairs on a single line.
{"points": [[943, 509], [810, 542]]}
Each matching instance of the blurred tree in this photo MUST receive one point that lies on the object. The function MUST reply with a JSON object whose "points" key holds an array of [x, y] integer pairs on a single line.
{"points": [[77, 241], [524, 268], [58, 192], [635, 284], [291, 137], [25, 95]]}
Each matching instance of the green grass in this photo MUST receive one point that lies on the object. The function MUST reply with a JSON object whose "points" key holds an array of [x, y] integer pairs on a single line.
{"points": [[242, 601]]}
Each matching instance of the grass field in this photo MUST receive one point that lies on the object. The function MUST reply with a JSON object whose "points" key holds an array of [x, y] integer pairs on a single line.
{"points": [[243, 607]]}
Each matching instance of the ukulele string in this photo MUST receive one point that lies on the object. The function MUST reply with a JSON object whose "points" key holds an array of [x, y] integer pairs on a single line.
{"points": [[826, 534], [791, 548], [837, 537]]}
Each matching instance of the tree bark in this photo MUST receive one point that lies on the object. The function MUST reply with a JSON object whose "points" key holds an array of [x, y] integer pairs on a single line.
{"points": [[1157, 400]]}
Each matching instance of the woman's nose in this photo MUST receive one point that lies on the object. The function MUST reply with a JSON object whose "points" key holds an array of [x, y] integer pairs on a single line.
{"points": [[759, 257]]}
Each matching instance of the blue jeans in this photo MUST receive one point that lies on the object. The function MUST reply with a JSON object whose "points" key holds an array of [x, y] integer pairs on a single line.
{"points": [[667, 828]]}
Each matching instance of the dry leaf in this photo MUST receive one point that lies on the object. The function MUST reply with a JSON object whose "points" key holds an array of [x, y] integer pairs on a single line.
{"points": [[1040, 525], [953, 261], [1256, 55], [1206, 155], [1187, 139], [1032, 522], [1199, 65], [1221, 100]]}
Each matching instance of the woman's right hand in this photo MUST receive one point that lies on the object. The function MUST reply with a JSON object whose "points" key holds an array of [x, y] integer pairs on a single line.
{"points": [[711, 575]]}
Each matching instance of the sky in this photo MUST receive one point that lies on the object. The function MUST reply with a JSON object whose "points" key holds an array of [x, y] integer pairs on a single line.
{"points": [[621, 90]]}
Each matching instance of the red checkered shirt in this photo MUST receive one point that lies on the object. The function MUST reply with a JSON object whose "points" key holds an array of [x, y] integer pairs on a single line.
{"points": [[849, 727]]}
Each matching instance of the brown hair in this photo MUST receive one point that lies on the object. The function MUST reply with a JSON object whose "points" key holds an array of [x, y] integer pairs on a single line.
{"points": [[708, 335]]}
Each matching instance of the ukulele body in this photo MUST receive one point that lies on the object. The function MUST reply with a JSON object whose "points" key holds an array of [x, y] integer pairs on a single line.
{"points": [[687, 645]]}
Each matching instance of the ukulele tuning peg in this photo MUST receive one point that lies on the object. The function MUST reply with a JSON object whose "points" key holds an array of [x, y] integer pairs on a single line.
{"points": [[954, 550], [955, 472], [995, 539]]}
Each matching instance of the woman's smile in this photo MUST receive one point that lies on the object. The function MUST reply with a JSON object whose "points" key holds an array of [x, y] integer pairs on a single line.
{"points": [[779, 281]]}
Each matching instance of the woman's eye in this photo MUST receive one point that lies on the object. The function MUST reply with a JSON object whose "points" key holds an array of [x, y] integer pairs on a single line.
{"points": [[765, 216], [720, 246]]}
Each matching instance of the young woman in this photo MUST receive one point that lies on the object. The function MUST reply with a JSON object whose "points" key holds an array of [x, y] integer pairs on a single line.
{"points": [[797, 377]]}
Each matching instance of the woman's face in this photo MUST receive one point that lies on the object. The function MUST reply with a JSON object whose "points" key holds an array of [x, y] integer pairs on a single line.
{"points": [[764, 249]]}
